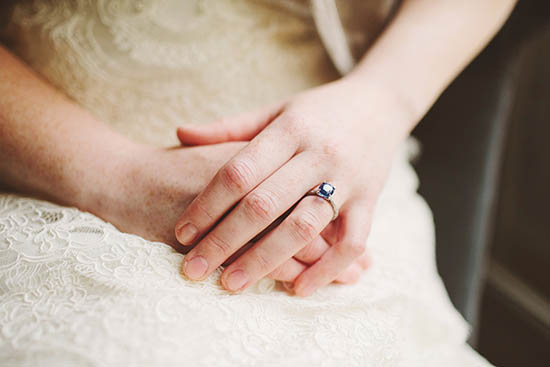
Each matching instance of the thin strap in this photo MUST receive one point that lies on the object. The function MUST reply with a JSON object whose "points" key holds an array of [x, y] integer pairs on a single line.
{"points": [[331, 31]]}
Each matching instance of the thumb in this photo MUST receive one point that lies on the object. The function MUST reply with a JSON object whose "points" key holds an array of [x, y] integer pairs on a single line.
{"points": [[236, 128]]}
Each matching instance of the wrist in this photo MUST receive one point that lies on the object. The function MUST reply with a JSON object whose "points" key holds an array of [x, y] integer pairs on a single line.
{"points": [[384, 109], [102, 184]]}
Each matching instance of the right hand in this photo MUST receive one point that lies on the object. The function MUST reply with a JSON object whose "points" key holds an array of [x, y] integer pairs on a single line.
{"points": [[154, 185]]}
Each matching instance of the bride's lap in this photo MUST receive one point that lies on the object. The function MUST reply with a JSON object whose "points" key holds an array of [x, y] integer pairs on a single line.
{"points": [[76, 287]]}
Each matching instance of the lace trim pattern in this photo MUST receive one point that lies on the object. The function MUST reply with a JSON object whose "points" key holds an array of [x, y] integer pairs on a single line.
{"points": [[73, 289]]}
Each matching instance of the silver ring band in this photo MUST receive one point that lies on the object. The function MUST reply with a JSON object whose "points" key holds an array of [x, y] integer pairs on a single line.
{"points": [[325, 191]]}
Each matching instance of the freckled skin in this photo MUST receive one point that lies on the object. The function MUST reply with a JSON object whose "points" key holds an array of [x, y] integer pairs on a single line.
{"points": [[151, 206]]}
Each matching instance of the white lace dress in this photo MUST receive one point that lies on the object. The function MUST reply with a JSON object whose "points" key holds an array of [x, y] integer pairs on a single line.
{"points": [[74, 291]]}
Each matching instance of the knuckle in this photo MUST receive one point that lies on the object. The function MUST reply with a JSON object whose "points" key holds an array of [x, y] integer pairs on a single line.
{"points": [[304, 225], [219, 245], [260, 205], [328, 152], [295, 125], [308, 253], [237, 175], [332, 152]]}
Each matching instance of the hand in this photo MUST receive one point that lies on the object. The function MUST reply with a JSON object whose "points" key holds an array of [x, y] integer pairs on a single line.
{"points": [[155, 185], [341, 133]]}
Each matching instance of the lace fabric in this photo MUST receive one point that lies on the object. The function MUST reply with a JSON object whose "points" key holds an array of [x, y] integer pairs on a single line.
{"points": [[145, 67], [75, 291]]}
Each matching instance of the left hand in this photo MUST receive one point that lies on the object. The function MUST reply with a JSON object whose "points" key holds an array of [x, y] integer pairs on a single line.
{"points": [[342, 133]]}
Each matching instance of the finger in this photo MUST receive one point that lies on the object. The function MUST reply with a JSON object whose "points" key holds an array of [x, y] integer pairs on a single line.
{"points": [[312, 251], [241, 127], [292, 268], [355, 223], [257, 161], [305, 222], [252, 215], [287, 271], [351, 275]]}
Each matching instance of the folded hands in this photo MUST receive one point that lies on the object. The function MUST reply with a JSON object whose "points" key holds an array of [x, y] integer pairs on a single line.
{"points": [[332, 133]]}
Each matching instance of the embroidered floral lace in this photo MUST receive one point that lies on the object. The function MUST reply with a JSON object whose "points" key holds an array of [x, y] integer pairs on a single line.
{"points": [[74, 291]]}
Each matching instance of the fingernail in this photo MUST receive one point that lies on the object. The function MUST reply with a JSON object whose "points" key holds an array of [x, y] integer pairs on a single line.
{"points": [[236, 280], [195, 268], [186, 234]]}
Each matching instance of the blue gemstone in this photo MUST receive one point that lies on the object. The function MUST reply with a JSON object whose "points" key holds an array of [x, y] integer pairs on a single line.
{"points": [[326, 190]]}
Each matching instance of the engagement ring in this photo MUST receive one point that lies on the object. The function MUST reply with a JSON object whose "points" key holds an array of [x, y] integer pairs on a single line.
{"points": [[325, 191]]}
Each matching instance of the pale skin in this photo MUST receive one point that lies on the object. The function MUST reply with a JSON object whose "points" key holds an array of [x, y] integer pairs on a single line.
{"points": [[345, 133], [54, 149]]}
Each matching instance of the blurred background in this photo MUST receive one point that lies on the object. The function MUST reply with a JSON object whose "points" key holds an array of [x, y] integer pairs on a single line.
{"points": [[488, 183]]}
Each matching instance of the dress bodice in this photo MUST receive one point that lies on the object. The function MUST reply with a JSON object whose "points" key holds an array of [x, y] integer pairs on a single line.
{"points": [[147, 66]]}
